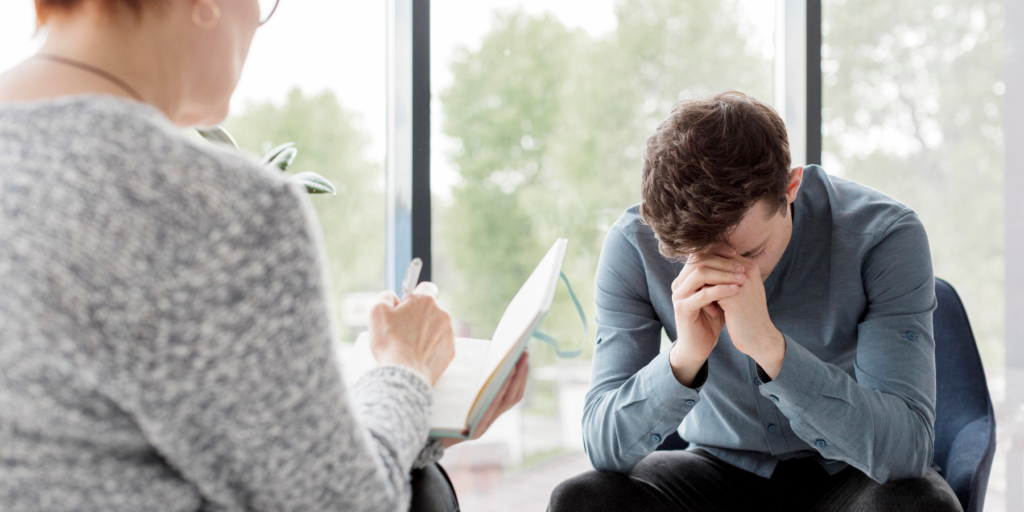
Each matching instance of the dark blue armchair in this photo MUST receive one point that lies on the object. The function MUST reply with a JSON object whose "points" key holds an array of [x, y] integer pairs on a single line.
{"points": [[965, 425]]}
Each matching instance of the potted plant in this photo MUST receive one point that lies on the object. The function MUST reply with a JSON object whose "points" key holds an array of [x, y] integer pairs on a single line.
{"points": [[280, 157]]}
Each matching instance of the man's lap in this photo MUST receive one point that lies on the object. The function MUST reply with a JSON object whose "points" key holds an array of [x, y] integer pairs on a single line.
{"points": [[696, 480]]}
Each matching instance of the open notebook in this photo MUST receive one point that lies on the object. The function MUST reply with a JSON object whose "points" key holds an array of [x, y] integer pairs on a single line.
{"points": [[466, 388]]}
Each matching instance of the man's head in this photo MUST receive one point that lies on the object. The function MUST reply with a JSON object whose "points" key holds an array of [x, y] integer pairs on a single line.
{"points": [[716, 174]]}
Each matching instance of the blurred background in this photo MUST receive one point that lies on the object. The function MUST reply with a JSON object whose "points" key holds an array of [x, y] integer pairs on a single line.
{"points": [[540, 109]]}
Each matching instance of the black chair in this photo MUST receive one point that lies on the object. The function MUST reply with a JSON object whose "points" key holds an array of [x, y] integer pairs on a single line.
{"points": [[965, 424]]}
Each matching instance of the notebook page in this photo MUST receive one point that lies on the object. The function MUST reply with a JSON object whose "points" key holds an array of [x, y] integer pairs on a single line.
{"points": [[525, 310], [455, 391]]}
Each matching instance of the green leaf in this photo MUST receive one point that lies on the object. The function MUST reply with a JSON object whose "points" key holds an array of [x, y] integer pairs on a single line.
{"points": [[284, 158], [314, 183], [218, 135], [270, 156]]}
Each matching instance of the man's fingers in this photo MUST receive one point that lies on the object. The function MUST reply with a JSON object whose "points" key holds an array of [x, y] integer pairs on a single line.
{"points": [[725, 251], [711, 310], [716, 262], [697, 301], [706, 276]]}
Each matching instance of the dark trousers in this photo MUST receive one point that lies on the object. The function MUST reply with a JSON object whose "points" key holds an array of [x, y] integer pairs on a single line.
{"points": [[432, 491], [696, 480]]}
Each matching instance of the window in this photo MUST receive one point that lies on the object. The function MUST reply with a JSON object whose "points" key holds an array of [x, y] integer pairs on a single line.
{"points": [[913, 106], [540, 113], [17, 27], [316, 76]]}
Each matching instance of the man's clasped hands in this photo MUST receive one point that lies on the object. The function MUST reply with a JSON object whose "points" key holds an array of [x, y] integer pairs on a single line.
{"points": [[715, 290]]}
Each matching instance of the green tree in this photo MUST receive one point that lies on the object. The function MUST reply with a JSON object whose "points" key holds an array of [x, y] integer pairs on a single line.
{"points": [[330, 142], [552, 125], [913, 108]]}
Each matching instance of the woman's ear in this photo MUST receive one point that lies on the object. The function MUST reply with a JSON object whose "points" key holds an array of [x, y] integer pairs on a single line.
{"points": [[796, 177]]}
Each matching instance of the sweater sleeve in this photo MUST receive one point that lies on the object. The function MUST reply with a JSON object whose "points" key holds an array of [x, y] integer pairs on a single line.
{"points": [[239, 391]]}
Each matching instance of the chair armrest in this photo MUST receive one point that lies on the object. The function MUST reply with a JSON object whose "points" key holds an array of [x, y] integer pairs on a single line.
{"points": [[970, 461]]}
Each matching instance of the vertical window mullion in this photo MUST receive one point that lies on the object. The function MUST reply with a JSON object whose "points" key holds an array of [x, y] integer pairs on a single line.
{"points": [[408, 139]]}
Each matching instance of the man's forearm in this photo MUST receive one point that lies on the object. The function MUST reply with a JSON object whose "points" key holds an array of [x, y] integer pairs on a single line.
{"points": [[625, 421], [685, 365], [887, 436], [771, 353]]}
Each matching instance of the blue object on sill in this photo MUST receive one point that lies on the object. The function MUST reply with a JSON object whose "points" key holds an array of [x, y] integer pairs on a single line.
{"points": [[566, 354]]}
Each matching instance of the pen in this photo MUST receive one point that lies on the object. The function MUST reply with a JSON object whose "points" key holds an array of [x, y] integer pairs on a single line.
{"points": [[412, 277]]}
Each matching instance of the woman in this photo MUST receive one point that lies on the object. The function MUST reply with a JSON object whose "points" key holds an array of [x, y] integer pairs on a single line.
{"points": [[164, 328]]}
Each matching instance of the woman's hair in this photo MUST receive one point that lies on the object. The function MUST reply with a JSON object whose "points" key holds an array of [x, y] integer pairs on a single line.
{"points": [[44, 8]]}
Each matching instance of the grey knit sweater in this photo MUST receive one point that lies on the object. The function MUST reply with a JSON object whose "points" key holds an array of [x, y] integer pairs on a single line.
{"points": [[165, 336]]}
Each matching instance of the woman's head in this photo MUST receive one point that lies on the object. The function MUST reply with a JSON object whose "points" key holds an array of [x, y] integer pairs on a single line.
{"points": [[190, 51]]}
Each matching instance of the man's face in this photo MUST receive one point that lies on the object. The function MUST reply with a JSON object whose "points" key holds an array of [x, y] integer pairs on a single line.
{"points": [[765, 230], [763, 235]]}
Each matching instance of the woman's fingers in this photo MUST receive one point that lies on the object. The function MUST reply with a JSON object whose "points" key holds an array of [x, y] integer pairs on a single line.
{"points": [[520, 386], [426, 288], [510, 393], [387, 298]]}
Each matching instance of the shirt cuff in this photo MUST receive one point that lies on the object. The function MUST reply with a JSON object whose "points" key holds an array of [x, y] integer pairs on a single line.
{"points": [[797, 384], [667, 403], [668, 391]]}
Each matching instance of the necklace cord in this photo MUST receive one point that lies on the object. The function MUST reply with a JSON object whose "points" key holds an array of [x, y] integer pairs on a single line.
{"points": [[94, 70]]}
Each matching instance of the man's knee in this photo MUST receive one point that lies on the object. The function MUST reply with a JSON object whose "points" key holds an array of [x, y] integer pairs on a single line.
{"points": [[929, 493], [593, 490]]}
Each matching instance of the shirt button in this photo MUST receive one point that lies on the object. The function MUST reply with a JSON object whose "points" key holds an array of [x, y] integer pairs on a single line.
{"points": [[911, 335], [656, 438], [772, 427], [691, 402], [773, 398], [820, 443]]}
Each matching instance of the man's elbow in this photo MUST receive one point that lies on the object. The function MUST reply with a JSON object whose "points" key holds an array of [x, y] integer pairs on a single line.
{"points": [[915, 461], [604, 455], [609, 463]]}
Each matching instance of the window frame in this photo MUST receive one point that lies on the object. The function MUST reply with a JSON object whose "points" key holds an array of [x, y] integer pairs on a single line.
{"points": [[798, 97]]}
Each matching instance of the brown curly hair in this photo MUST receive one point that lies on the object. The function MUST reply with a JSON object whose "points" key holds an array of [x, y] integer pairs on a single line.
{"points": [[706, 165]]}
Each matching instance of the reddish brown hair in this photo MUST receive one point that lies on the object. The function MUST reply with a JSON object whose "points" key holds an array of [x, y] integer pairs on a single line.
{"points": [[44, 8], [707, 164]]}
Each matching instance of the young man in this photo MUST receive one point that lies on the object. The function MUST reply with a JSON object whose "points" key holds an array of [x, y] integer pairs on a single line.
{"points": [[802, 372]]}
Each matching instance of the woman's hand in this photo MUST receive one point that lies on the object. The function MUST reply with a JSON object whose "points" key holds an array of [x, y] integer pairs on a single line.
{"points": [[510, 394], [416, 333]]}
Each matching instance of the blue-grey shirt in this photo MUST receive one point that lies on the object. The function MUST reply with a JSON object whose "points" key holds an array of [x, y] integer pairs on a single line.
{"points": [[853, 295]]}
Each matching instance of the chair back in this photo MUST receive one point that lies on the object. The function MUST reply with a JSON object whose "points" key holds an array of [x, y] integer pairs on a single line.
{"points": [[962, 401]]}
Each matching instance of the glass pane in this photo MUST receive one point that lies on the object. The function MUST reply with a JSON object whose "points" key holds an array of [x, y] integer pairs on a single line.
{"points": [[541, 110], [298, 86], [17, 27], [913, 107]]}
